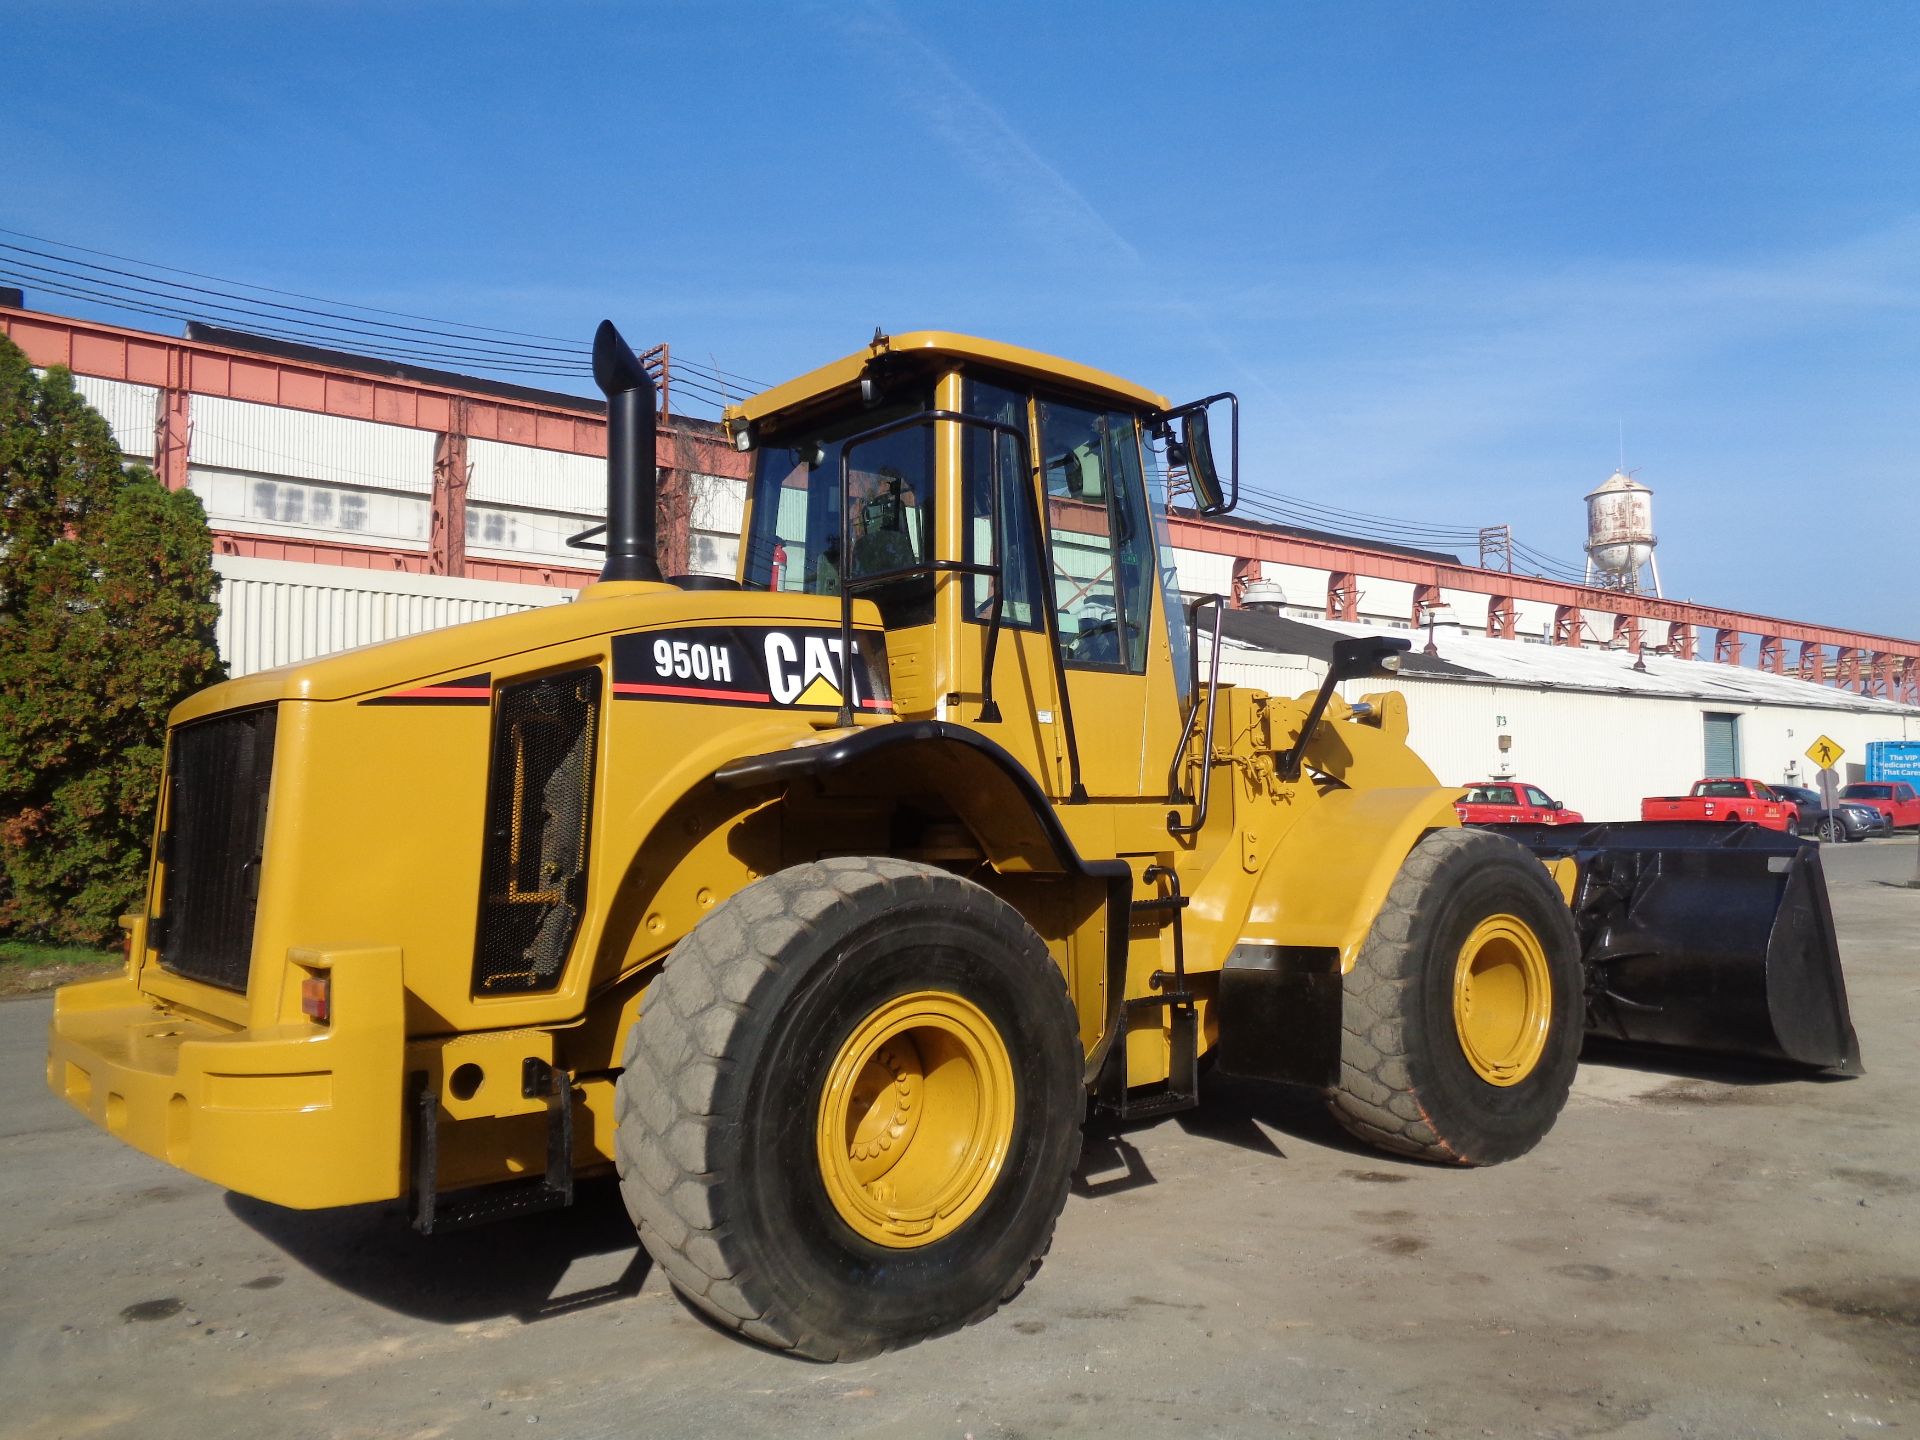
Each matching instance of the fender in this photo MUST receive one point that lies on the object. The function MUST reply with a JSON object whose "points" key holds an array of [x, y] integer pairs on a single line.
{"points": [[1281, 988], [991, 792], [1329, 876]]}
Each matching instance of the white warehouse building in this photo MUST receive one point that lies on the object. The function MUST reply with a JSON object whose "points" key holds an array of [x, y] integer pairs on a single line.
{"points": [[323, 523], [1593, 728]]}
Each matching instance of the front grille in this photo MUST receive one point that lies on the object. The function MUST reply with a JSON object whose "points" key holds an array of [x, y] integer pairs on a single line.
{"points": [[533, 863], [218, 774]]}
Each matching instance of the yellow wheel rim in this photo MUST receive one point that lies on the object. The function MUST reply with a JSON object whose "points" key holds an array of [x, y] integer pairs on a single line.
{"points": [[915, 1119], [1502, 999]]}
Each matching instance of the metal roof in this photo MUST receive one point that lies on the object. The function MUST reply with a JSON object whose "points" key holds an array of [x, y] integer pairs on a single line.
{"points": [[946, 345], [1477, 660], [1287, 636]]}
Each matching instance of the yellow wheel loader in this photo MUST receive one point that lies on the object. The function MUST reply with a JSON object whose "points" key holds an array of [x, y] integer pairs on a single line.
{"points": [[821, 903]]}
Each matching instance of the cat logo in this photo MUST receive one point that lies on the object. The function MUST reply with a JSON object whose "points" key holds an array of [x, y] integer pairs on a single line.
{"points": [[790, 667], [806, 672]]}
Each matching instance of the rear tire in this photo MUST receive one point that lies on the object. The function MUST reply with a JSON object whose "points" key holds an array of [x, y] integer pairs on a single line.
{"points": [[851, 1107], [1463, 1014]]}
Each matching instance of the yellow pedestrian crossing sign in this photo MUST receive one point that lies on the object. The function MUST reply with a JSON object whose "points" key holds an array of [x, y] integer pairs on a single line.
{"points": [[1825, 753]]}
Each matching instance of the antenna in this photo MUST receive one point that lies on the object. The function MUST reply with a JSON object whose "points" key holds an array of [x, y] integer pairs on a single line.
{"points": [[1623, 445]]}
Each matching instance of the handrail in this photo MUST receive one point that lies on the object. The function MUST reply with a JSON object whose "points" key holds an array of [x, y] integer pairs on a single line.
{"points": [[849, 582], [1176, 792]]}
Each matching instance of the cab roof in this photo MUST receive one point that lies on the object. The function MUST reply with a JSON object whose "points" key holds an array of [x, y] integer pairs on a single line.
{"points": [[937, 345]]}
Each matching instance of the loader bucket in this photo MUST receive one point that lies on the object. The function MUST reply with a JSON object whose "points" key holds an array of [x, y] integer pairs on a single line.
{"points": [[1714, 938]]}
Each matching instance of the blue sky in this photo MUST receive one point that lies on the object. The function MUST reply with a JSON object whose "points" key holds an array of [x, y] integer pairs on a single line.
{"points": [[1445, 253]]}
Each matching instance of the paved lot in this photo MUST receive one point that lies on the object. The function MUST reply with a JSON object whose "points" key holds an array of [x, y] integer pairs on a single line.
{"points": [[1692, 1252]]}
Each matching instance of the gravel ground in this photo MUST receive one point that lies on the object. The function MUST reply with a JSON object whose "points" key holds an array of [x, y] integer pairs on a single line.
{"points": [[1692, 1252]]}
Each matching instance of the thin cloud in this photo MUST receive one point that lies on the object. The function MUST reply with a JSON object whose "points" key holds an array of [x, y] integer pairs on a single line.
{"points": [[981, 138]]}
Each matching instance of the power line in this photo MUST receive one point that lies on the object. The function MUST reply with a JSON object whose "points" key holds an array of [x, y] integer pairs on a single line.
{"points": [[450, 347], [277, 332], [91, 272], [464, 344], [269, 290]]}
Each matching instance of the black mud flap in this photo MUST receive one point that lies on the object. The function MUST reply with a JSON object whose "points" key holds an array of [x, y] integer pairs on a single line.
{"points": [[1715, 938]]}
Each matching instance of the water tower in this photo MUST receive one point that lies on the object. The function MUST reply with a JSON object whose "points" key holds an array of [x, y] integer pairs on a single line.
{"points": [[1620, 537]]}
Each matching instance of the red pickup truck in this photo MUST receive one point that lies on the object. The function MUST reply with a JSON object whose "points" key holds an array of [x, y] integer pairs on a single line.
{"points": [[1511, 802], [1722, 799], [1895, 799]]}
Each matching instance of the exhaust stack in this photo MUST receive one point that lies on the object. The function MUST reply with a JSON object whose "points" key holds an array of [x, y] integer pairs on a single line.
{"points": [[632, 467]]}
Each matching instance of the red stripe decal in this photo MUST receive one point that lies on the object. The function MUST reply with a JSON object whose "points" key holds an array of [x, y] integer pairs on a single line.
{"points": [[688, 692], [440, 692]]}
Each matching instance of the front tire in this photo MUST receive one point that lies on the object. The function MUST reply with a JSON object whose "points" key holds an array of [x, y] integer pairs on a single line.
{"points": [[1463, 1014], [851, 1107]]}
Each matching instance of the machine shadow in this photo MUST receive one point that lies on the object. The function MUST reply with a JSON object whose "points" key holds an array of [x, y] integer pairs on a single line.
{"points": [[511, 1268], [1239, 1112], [1696, 1065], [1233, 1111]]}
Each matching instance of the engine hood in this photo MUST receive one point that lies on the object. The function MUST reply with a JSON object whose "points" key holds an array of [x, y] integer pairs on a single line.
{"points": [[603, 609]]}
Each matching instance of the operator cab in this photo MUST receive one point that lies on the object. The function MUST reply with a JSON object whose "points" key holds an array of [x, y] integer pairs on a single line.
{"points": [[1005, 512]]}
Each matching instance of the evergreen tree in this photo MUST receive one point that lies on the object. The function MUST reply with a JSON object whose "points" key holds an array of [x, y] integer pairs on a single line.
{"points": [[106, 622]]}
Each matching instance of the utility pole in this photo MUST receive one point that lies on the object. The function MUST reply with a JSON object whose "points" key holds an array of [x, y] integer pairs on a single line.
{"points": [[1496, 548]]}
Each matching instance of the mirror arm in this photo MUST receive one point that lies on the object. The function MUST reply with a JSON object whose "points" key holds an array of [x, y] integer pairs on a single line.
{"points": [[1289, 766], [1351, 659]]}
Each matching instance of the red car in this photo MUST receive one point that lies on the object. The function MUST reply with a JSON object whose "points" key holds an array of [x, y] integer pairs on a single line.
{"points": [[1895, 799], [1726, 798], [1512, 802]]}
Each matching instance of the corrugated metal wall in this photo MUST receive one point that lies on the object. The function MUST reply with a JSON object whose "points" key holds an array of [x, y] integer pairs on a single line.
{"points": [[536, 479], [1203, 573], [719, 511], [277, 612], [1599, 754], [267, 440], [132, 411]]}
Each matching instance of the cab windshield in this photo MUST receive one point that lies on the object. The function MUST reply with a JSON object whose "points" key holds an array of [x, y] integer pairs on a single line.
{"points": [[794, 536]]}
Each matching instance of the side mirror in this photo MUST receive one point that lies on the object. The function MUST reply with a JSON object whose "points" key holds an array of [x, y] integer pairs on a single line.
{"points": [[1366, 655], [1197, 442], [1212, 495]]}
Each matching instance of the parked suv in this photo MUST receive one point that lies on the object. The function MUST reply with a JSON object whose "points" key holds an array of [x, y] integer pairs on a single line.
{"points": [[1847, 820], [1895, 799]]}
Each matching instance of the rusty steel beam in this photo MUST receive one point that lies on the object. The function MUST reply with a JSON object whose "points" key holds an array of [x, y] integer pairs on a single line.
{"points": [[89, 348], [447, 549], [393, 560], [1212, 535], [1566, 624], [1343, 596], [1626, 632], [182, 368]]}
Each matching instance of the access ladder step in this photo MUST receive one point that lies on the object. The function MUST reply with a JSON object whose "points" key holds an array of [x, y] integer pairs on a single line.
{"points": [[1182, 1090], [434, 1210], [459, 1209]]}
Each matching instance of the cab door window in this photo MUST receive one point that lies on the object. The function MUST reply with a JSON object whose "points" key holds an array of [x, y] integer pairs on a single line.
{"points": [[1103, 551], [1022, 592]]}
